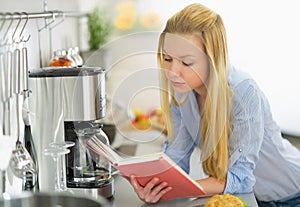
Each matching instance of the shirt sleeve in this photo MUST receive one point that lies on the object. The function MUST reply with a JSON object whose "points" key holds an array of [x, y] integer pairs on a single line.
{"points": [[246, 137], [182, 145]]}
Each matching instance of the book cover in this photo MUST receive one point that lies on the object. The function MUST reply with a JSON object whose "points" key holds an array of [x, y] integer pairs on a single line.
{"points": [[146, 167]]}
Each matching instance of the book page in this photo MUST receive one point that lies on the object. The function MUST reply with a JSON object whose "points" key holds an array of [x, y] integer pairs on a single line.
{"points": [[142, 158], [104, 150]]}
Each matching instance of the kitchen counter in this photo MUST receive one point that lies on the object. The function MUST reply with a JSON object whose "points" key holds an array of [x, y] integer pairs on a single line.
{"points": [[124, 193], [126, 197]]}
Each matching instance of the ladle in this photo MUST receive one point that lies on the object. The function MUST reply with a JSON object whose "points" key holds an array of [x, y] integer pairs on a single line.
{"points": [[21, 161], [22, 165]]}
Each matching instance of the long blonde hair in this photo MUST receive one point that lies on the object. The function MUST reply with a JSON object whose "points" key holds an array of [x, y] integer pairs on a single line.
{"points": [[215, 124]]}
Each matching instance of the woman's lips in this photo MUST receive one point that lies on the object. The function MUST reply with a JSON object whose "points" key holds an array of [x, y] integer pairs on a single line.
{"points": [[177, 84]]}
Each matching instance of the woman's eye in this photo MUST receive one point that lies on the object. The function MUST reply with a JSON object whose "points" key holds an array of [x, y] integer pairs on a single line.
{"points": [[187, 64], [168, 59]]}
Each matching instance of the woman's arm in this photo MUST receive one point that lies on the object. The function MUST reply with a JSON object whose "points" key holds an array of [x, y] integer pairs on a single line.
{"points": [[154, 190], [212, 186], [246, 137]]}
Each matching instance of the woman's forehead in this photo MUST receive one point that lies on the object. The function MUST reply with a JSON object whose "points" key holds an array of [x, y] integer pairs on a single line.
{"points": [[179, 45]]}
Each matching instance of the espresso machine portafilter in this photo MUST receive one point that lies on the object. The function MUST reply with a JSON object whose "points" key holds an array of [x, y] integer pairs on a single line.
{"points": [[66, 105]]}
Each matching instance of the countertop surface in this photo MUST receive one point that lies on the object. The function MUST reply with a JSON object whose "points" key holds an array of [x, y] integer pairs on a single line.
{"points": [[124, 193], [126, 197]]}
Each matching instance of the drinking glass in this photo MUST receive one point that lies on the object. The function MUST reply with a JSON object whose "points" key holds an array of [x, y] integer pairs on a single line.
{"points": [[58, 150], [65, 144]]}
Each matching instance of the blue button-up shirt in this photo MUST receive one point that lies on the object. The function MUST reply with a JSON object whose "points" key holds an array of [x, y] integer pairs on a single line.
{"points": [[260, 160]]}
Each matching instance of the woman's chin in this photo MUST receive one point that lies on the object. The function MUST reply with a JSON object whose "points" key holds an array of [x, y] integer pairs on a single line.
{"points": [[181, 90]]}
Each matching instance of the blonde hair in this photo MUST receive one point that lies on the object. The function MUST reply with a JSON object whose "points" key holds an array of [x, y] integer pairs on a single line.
{"points": [[215, 124]]}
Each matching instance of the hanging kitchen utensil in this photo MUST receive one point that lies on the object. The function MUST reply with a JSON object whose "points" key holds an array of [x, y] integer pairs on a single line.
{"points": [[2, 93], [5, 97], [31, 178], [46, 26], [8, 66], [17, 88], [20, 149], [29, 144], [4, 77], [23, 166]]}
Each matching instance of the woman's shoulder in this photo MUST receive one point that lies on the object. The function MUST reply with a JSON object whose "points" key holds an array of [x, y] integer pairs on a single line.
{"points": [[244, 88], [237, 76], [240, 80]]}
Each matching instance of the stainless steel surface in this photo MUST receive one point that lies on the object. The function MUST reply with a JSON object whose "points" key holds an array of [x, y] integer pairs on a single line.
{"points": [[36, 15], [52, 200], [63, 96], [81, 94], [3, 96], [25, 68], [2, 79], [106, 190], [21, 161]]}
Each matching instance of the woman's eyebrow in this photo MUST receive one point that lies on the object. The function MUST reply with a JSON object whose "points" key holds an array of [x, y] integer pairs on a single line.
{"points": [[164, 52], [181, 57]]}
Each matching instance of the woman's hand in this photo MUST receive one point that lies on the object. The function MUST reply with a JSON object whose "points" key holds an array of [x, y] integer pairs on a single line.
{"points": [[152, 191]]}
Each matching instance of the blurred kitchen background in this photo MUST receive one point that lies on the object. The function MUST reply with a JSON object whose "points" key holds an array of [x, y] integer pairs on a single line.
{"points": [[262, 35], [263, 40]]}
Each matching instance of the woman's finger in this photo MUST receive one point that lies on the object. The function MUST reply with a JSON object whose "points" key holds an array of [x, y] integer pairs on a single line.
{"points": [[134, 183], [152, 191], [151, 184], [158, 188], [141, 191], [157, 192]]}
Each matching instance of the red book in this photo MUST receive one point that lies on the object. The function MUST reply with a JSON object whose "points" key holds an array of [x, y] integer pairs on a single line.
{"points": [[146, 167]]}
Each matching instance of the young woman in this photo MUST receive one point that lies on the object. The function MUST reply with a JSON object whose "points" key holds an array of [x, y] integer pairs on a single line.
{"points": [[210, 104]]}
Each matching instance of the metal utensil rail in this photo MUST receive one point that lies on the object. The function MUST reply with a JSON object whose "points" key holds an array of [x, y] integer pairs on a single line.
{"points": [[36, 15]]}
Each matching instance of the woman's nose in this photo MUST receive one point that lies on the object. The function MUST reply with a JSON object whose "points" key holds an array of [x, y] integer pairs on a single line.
{"points": [[174, 67]]}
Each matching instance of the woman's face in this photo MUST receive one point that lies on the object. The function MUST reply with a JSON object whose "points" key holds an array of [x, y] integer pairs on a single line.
{"points": [[185, 63]]}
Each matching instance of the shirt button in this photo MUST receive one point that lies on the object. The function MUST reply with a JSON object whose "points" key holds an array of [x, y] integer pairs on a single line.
{"points": [[240, 150]]}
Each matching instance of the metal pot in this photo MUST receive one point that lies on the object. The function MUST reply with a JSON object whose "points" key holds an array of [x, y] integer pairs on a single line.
{"points": [[51, 199]]}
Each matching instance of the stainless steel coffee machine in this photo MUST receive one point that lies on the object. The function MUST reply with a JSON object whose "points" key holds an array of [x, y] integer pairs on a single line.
{"points": [[67, 104]]}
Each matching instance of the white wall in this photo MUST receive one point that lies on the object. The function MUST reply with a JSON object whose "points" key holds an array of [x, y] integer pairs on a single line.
{"points": [[263, 39]]}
